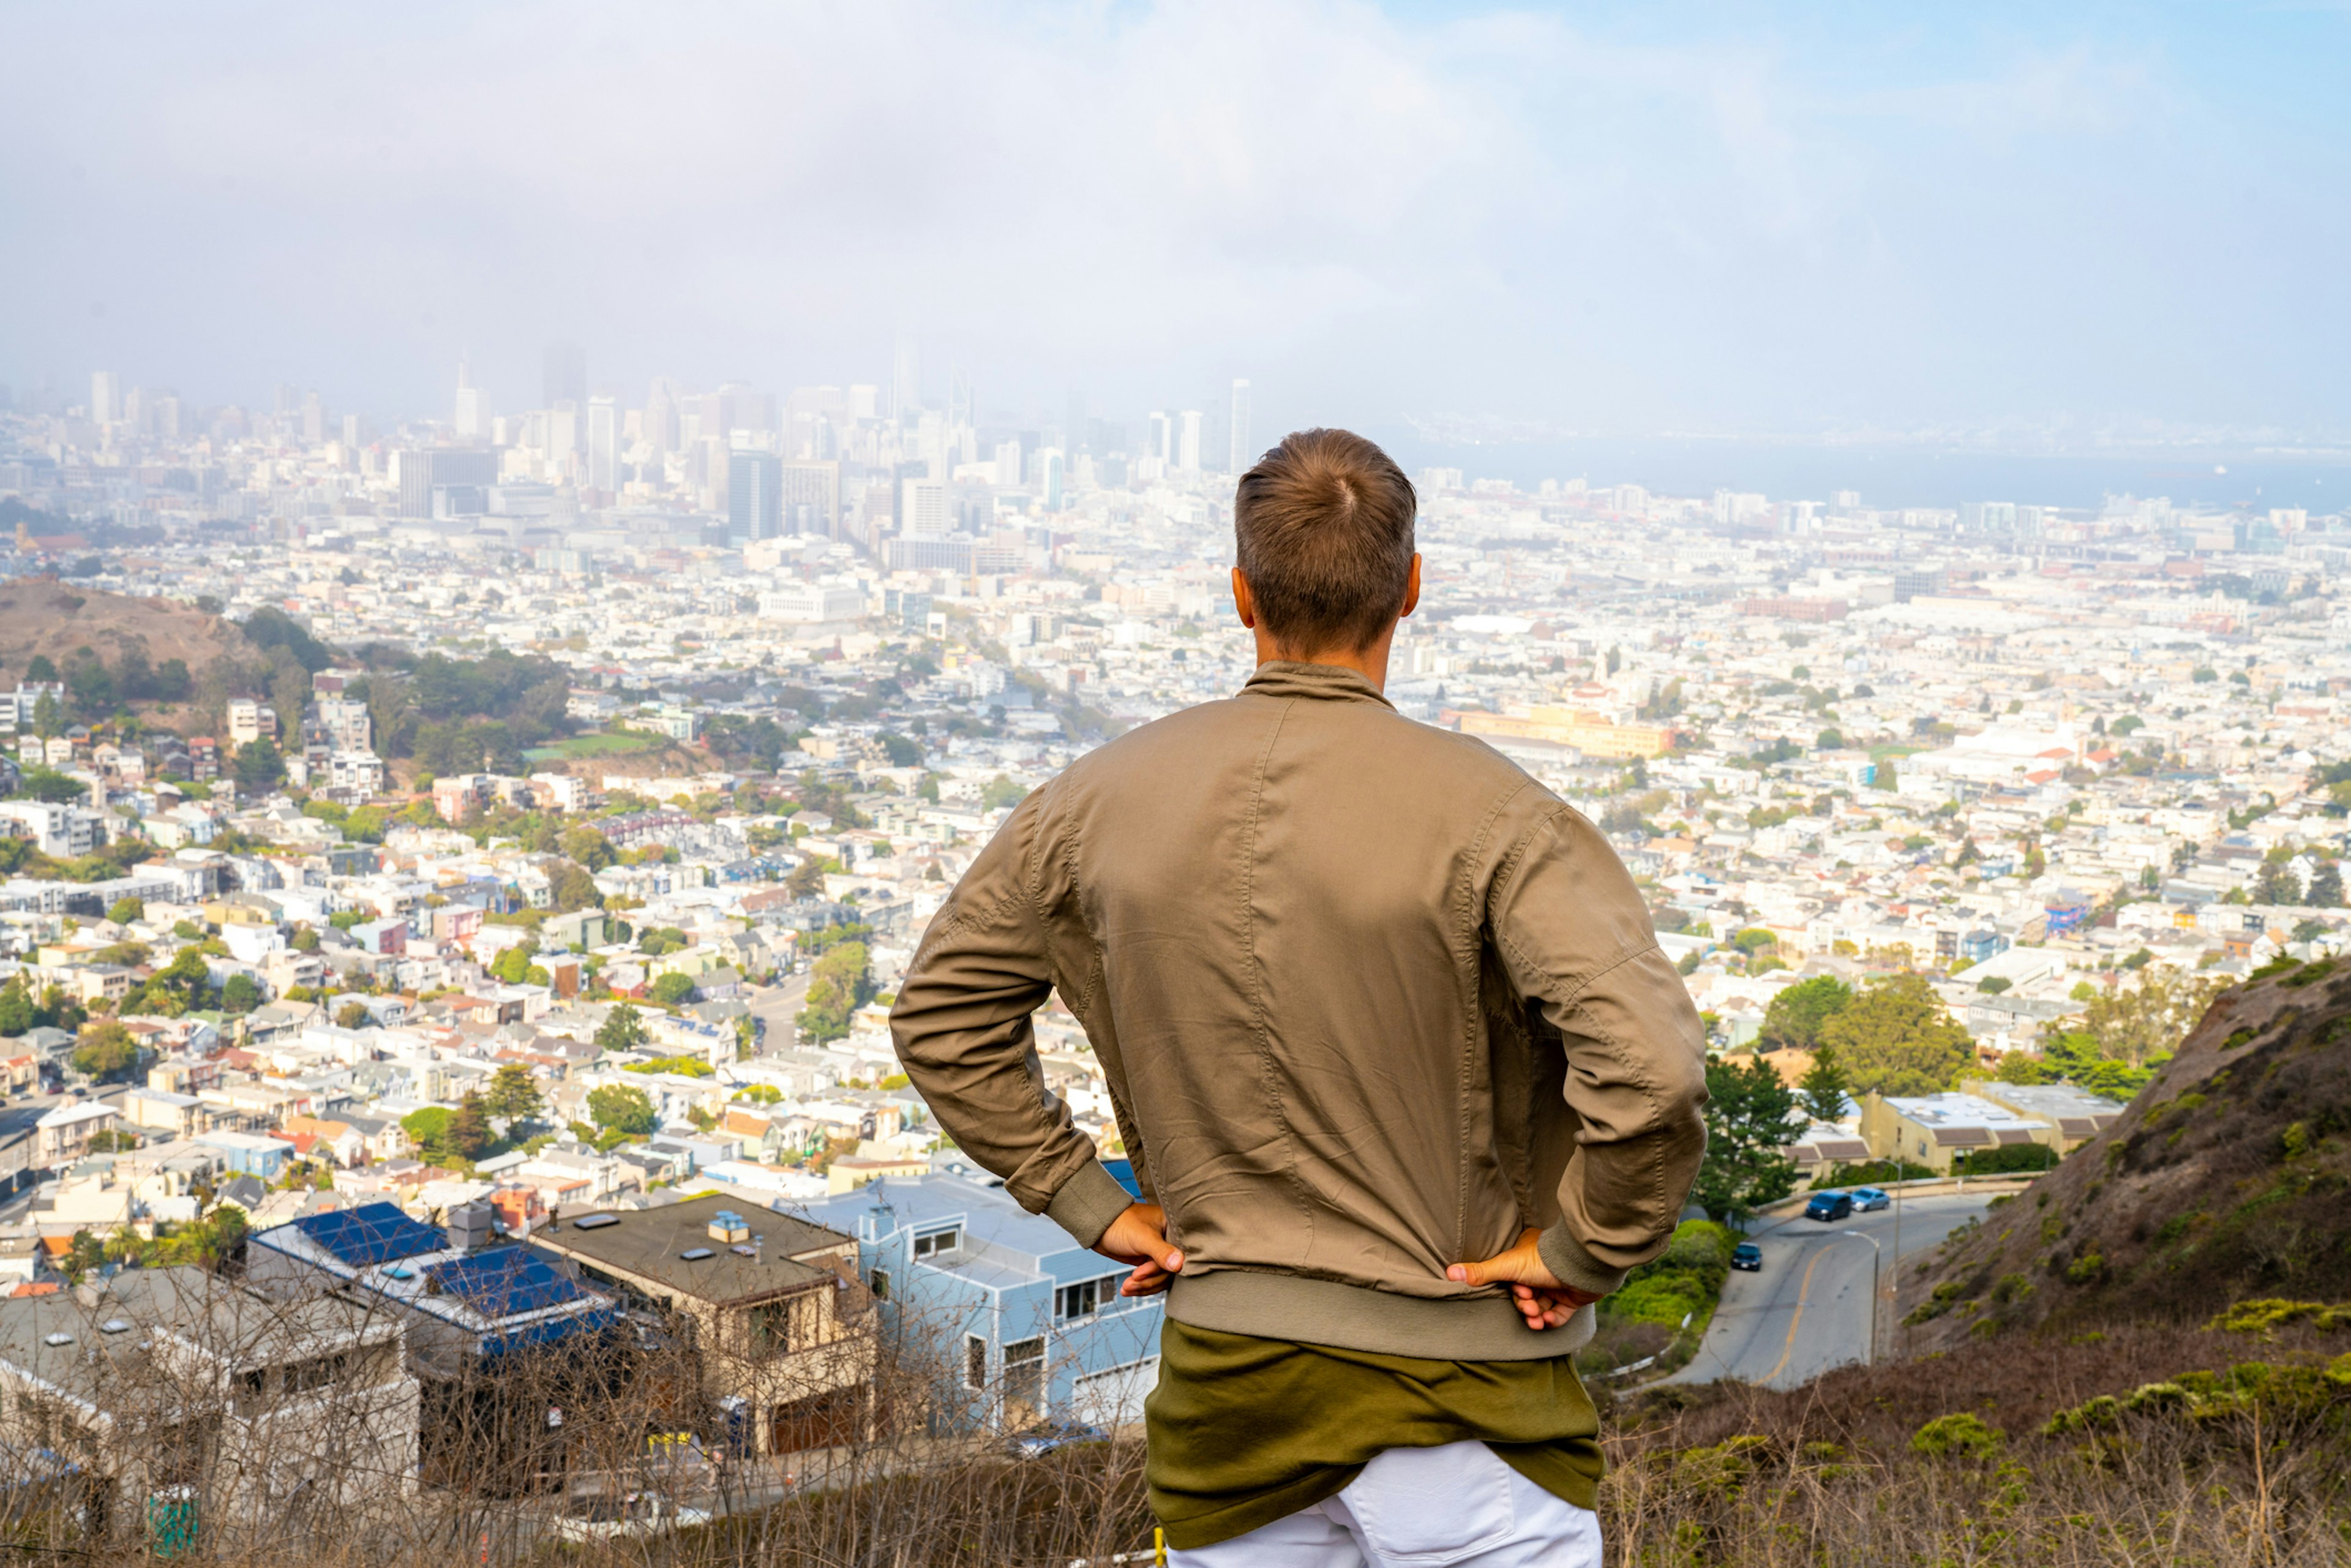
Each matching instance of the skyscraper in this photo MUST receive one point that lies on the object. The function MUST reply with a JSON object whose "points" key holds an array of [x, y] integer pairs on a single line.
{"points": [[564, 377], [754, 497], [1187, 440], [1243, 455], [603, 443], [906, 379], [923, 509], [471, 417], [105, 397], [1159, 439], [661, 416]]}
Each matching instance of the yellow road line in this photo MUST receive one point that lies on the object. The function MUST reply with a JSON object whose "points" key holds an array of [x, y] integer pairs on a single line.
{"points": [[1803, 1289]]}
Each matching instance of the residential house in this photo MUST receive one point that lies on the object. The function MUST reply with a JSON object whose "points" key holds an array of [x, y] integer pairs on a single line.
{"points": [[780, 1317]]}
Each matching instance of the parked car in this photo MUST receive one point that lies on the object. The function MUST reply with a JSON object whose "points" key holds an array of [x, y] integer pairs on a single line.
{"points": [[1035, 1442], [1865, 1199], [634, 1516], [1747, 1256], [1829, 1206]]}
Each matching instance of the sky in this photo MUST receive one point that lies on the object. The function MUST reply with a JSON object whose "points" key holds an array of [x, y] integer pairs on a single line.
{"points": [[1736, 219]]}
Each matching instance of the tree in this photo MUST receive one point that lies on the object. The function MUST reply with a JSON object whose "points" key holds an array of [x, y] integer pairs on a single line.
{"points": [[1825, 1087], [1993, 985], [258, 766], [514, 964], [621, 1108], [585, 846], [901, 751], [513, 1093], [107, 1051], [239, 994], [428, 1129], [623, 1028], [2136, 1025], [48, 717], [353, 1015], [126, 910], [2276, 884], [2326, 887], [305, 940], [1794, 1020], [1883, 776], [1897, 1038], [469, 1132], [571, 888], [671, 990], [15, 1007], [1750, 1118], [1001, 791], [839, 984]]}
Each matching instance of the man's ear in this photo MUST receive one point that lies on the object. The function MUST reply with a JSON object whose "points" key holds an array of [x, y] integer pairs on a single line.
{"points": [[1411, 588], [1246, 607]]}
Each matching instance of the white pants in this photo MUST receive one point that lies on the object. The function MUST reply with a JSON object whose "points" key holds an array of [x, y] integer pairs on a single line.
{"points": [[1421, 1507]]}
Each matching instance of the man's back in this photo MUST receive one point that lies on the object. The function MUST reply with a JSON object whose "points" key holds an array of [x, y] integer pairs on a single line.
{"points": [[1303, 933]]}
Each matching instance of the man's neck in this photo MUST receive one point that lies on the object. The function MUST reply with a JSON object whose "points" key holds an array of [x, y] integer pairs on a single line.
{"points": [[1371, 662]]}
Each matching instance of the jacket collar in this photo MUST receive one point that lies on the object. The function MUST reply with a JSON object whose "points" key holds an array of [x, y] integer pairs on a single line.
{"points": [[1329, 683]]}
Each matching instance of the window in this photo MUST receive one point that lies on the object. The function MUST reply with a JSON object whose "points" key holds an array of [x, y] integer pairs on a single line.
{"points": [[1087, 1297], [771, 1326], [1024, 1376], [975, 1362], [879, 1279], [938, 1241]]}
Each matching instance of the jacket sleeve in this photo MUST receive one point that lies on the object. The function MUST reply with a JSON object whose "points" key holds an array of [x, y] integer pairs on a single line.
{"points": [[1575, 937], [961, 1025]]}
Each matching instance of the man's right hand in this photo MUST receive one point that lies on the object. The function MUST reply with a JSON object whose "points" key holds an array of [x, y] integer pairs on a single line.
{"points": [[1139, 1236]]}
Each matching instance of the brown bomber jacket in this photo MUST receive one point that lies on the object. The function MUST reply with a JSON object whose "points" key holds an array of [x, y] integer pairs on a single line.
{"points": [[1370, 1001]]}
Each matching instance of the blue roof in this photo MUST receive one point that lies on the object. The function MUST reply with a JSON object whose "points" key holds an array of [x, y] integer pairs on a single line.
{"points": [[550, 1331], [1123, 1172], [505, 1281], [370, 1234]]}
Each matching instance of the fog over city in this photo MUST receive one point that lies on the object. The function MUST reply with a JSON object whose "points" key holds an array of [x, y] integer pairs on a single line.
{"points": [[1727, 219]]}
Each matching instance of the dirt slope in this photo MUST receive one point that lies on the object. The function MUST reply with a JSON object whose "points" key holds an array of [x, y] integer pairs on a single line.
{"points": [[2228, 1178], [41, 615]]}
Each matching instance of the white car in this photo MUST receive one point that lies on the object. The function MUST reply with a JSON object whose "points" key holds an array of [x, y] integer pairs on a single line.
{"points": [[635, 1515]]}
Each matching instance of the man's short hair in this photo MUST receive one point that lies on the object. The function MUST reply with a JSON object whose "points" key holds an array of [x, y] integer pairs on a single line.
{"points": [[1323, 530]]}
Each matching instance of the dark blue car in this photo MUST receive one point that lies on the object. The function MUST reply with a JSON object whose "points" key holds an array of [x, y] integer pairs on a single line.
{"points": [[1829, 1206]]}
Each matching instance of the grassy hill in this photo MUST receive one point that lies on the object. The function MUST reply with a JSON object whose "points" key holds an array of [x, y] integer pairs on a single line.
{"points": [[41, 617], [2227, 1180]]}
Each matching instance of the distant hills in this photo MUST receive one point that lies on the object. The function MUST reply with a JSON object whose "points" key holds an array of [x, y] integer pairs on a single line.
{"points": [[42, 617], [2229, 1178]]}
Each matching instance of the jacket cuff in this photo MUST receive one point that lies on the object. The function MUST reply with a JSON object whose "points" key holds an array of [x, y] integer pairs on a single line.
{"points": [[1570, 1264], [1088, 1202]]}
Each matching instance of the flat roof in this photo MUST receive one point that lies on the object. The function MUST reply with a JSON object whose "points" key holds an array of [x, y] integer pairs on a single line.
{"points": [[651, 1244]]}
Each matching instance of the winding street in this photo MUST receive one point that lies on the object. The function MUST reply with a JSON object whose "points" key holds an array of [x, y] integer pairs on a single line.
{"points": [[1808, 1309]]}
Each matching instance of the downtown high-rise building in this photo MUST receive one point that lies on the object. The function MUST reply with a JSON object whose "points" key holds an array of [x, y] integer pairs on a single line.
{"points": [[905, 378], [563, 376], [1187, 440], [755, 508], [604, 443], [470, 419], [1240, 456], [105, 397]]}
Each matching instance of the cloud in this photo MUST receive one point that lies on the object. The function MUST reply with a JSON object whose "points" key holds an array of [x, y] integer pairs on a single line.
{"points": [[1493, 208]]}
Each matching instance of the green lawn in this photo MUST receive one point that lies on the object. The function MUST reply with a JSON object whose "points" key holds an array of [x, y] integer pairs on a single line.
{"points": [[612, 743]]}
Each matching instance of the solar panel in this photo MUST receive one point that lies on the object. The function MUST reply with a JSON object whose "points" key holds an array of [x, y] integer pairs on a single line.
{"points": [[505, 1281], [695, 1254], [370, 1234], [595, 1221]]}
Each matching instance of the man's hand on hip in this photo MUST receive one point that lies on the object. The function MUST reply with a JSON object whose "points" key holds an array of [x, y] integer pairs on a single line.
{"points": [[1534, 1291], [1139, 1236]]}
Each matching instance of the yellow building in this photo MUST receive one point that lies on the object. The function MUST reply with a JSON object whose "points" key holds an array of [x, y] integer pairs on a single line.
{"points": [[1592, 734]]}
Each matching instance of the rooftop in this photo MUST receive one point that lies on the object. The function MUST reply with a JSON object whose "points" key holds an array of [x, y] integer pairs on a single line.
{"points": [[656, 1244]]}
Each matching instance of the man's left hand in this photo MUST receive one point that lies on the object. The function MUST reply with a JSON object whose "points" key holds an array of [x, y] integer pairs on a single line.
{"points": [[1541, 1298], [1139, 1236]]}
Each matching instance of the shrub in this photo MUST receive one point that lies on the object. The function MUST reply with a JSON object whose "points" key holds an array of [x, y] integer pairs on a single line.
{"points": [[1960, 1435]]}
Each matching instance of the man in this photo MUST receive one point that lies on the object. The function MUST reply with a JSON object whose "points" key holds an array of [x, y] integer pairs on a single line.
{"points": [[1404, 1079]]}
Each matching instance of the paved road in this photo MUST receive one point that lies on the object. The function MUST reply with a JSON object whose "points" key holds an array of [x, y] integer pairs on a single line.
{"points": [[1808, 1309], [774, 1006]]}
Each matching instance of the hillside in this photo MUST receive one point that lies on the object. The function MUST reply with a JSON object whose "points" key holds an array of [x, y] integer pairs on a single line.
{"points": [[2227, 1180], [40, 616]]}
